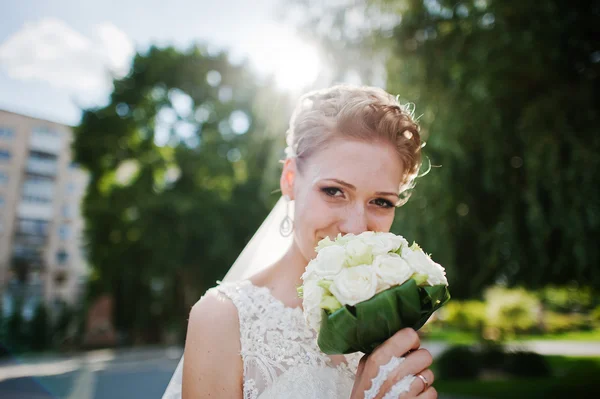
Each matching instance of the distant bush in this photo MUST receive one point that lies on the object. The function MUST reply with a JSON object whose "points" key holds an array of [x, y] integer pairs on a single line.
{"points": [[40, 329], [567, 299], [596, 315], [492, 356], [464, 362], [513, 310], [509, 312], [556, 323], [464, 315], [526, 364], [458, 362], [16, 332]]}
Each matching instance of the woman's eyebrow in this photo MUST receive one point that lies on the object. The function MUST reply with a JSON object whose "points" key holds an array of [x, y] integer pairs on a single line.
{"points": [[343, 183], [350, 186], [387, 193]]}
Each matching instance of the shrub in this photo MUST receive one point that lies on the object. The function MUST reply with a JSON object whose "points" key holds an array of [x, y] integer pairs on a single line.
{"points": [[512, 310], [16, 340], [492, 356], [567, 299], [526, 364], [39, 328], [555, 323], [458, 362], [463, 315], [596, 315]]}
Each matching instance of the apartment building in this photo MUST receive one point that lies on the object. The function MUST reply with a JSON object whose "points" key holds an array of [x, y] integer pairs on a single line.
{"points": [[41, 251]]}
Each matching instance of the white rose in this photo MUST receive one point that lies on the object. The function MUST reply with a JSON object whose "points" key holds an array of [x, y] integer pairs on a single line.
{"points": [[366, 234], [325, 242], [312, 295], [421, 263], [309, 271], [382, 243], [392, 270], [358, 252], [343, 239], [354, 285], [329, 261]]}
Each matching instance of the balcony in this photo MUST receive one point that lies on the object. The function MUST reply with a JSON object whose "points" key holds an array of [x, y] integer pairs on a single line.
{"points": [[30, 240], [33, 210], [45, 140], [39, 189], [45, 167]]}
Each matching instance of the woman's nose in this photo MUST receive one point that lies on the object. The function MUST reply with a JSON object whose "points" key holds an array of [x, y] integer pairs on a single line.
{"points": [[354, 220]]}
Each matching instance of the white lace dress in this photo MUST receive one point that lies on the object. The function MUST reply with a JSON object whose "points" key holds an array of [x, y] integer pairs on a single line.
{"points": [[279, 351]]}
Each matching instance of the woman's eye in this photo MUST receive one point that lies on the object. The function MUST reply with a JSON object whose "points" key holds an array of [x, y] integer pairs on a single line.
{"points": [[332, 191], [383, 203]]}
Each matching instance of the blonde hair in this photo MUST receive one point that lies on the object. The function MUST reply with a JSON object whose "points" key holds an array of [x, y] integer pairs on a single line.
{"points": [[359, 113]]}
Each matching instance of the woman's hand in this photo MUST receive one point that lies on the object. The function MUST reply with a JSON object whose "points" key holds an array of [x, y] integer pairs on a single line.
{"points": [[393, 369]]}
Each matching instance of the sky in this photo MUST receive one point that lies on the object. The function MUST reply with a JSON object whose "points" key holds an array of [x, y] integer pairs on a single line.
{"points": [[54, 54]]}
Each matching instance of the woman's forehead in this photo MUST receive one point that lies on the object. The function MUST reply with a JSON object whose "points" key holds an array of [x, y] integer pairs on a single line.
{"points": [[358, 163]]}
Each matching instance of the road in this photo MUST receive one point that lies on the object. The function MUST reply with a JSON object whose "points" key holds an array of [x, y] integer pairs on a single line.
{"points": [[103, 374], [145, 373]]}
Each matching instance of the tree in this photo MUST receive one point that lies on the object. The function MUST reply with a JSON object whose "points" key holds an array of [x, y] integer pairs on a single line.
{"points": [[177, 164], [507, 95], [511, 108]]}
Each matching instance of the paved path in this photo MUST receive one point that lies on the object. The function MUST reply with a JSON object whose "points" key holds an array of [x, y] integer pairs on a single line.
{"points": [[145, 373]]}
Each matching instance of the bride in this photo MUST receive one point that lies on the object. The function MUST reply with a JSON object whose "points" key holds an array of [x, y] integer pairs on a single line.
{"points": [[353, 152]]}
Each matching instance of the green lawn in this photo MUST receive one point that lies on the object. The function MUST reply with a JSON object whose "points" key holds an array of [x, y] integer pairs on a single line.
{"points": [[572, 376], [464, 337]]}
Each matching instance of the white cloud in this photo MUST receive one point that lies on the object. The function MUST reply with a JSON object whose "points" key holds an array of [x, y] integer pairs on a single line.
{"points": [[51, 51]]}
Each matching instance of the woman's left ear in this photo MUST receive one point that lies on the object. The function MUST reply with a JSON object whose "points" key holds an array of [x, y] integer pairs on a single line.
{"points": [[288, 178]]}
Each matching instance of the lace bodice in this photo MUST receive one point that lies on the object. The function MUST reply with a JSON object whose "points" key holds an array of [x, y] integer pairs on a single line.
{"points": [[281, 358]]}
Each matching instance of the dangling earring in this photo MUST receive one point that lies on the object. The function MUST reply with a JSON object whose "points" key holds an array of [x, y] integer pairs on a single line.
{"points": [[287, 224]]}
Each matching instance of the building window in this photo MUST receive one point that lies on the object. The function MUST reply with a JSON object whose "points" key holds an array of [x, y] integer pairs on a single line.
{"points": [[36, 200], [3, 179], [6, 133], [64, 232], [44, 131], [66, 211], [62, 257], [4, 155], [33, 227]]}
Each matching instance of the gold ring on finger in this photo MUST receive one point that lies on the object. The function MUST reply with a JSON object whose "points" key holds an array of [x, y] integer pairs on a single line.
{"points": [[424, 381]]}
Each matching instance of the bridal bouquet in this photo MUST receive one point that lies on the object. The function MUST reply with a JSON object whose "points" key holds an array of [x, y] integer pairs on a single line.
{"points": [[361, 289]]}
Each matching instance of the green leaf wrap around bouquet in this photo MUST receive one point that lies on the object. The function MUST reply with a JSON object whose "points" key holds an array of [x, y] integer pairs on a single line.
{"points": [[368, 324]]}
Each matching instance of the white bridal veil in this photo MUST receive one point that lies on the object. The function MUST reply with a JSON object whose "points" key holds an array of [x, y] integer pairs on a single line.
{"points": [[266, 246]]}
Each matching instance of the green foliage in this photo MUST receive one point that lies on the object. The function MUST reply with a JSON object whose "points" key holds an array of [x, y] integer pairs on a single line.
{"points": [[512, 310], [526, 364], [510, 313], [16, 331], [64, 326], [570, 377], [40, 328], [464, 315], [596, 315], [491, 356], [467, 362], [556, 323], [457, 362], [506, 94], [568, 299], [177, 164]]}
